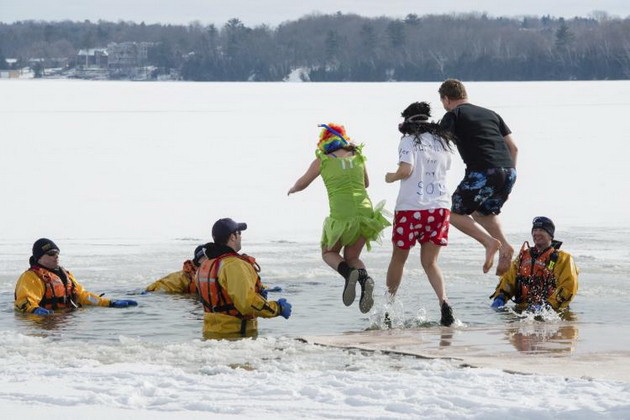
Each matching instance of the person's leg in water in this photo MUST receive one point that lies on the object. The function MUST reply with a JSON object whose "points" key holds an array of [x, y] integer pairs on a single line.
{"points": [[351, 254], [396, 268], [332, 257], [467, 225], [492, 225], [404, 237], [394, 276], [429, 253]]}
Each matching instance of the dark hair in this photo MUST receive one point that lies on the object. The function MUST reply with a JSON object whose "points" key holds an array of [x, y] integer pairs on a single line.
{"points": [[350, 147], [416, 123], [452, 89]]}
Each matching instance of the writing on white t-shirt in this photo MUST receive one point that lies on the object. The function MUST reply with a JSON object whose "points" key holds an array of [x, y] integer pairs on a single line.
{"points": [[426, 187]]}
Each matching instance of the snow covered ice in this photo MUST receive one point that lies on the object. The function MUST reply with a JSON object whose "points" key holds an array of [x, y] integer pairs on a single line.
{"points": [[278, 376]]}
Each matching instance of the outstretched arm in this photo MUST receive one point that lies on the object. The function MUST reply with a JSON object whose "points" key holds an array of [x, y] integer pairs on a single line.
{"points": [[509, 141], [86, 298], [305, 180]]}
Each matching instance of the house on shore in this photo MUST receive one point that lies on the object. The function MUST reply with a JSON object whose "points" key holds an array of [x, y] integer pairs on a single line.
{"points": [[12, 72]]}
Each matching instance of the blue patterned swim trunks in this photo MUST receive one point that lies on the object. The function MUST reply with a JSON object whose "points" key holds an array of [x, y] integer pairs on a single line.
{"points": [[483, 191]]}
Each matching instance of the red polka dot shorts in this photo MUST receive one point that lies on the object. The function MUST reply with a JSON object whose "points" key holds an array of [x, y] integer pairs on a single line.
{"points": [[421, 226]]}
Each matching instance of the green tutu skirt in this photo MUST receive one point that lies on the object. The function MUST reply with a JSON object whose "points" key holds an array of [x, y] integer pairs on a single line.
{"points": [[348, 231]]}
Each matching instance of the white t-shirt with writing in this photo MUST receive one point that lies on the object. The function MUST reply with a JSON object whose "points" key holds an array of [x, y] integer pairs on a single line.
{"points": [[425, 188]]}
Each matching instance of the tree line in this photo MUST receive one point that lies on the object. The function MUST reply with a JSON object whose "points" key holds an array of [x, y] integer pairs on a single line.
{"points": [[348, 47]]}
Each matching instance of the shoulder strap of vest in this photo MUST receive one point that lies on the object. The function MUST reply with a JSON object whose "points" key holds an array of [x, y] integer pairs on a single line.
{"points": [[73, 288], [553, 258], [524, 251], [250, 260], [244, 257]]}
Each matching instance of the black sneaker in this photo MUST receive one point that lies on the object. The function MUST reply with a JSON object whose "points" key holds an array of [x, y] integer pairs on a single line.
{"points": [[447, 315], [367, 287], [349, 290]]}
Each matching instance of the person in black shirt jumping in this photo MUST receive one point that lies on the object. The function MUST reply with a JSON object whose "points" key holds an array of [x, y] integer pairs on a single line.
{"points": [[486, 146]]}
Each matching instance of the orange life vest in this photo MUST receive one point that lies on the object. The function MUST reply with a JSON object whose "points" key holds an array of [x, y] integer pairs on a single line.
{"points": [[58, 295], [535, 280], [214, 297], [190, 270]]}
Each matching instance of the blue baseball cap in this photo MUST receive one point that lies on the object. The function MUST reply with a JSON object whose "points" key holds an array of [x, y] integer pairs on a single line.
{"points": [[223, 228]]}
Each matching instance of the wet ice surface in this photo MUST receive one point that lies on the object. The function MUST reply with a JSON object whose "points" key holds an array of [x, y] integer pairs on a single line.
{"points": [[122, 268], [152, 358]]}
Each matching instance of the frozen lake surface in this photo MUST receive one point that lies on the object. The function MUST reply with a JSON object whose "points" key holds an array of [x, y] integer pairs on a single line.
{"points": [[128, 178]]}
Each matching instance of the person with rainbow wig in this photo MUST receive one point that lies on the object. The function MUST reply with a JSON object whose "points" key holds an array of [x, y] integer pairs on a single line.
{"points": [[353, 223]]}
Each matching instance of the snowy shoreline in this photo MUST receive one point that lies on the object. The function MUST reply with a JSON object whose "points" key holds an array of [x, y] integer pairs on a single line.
{"points": [[276, 376]]}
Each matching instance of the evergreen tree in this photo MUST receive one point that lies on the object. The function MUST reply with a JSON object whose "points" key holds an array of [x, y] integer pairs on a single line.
{"points": [[350, 47], [38, 70], [368, 37], [396, 33], [564, 36], [412, 19], [332, 44], [3, 62]]}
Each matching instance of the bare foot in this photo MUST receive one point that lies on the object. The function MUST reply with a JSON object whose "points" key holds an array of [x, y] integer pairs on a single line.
{"points": [[505, 258], [491, 249]]}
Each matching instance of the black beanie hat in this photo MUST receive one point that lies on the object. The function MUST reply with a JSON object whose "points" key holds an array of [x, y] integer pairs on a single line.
{"points": [[42, 246], [544, 223]]}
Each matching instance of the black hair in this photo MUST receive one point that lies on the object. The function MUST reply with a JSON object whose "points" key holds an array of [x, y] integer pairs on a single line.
{"points": [[417, 123], [350, 147]]}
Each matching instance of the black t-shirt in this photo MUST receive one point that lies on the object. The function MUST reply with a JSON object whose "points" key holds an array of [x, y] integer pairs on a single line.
{"points": [[479, 134]]}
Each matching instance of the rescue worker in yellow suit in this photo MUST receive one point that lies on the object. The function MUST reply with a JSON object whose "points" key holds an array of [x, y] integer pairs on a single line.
{"points": [[183, 282], [180, 281], [230, 289], [46, 286], [542, 276]]}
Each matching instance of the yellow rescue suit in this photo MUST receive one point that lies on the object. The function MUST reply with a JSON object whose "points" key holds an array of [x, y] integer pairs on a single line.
{"points": [[40, 287], [228, 286], [177, 282], [547, 277]]}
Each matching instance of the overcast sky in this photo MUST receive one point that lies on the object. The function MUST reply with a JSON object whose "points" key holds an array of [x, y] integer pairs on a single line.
{"points": [[273, 12]]}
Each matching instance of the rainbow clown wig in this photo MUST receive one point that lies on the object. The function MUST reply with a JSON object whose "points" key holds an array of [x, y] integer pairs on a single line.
{"points": [[333, 137]]}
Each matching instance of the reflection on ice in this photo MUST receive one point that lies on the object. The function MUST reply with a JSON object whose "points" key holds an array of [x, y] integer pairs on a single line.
{"points": [[59, 321], [544, 338]]}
